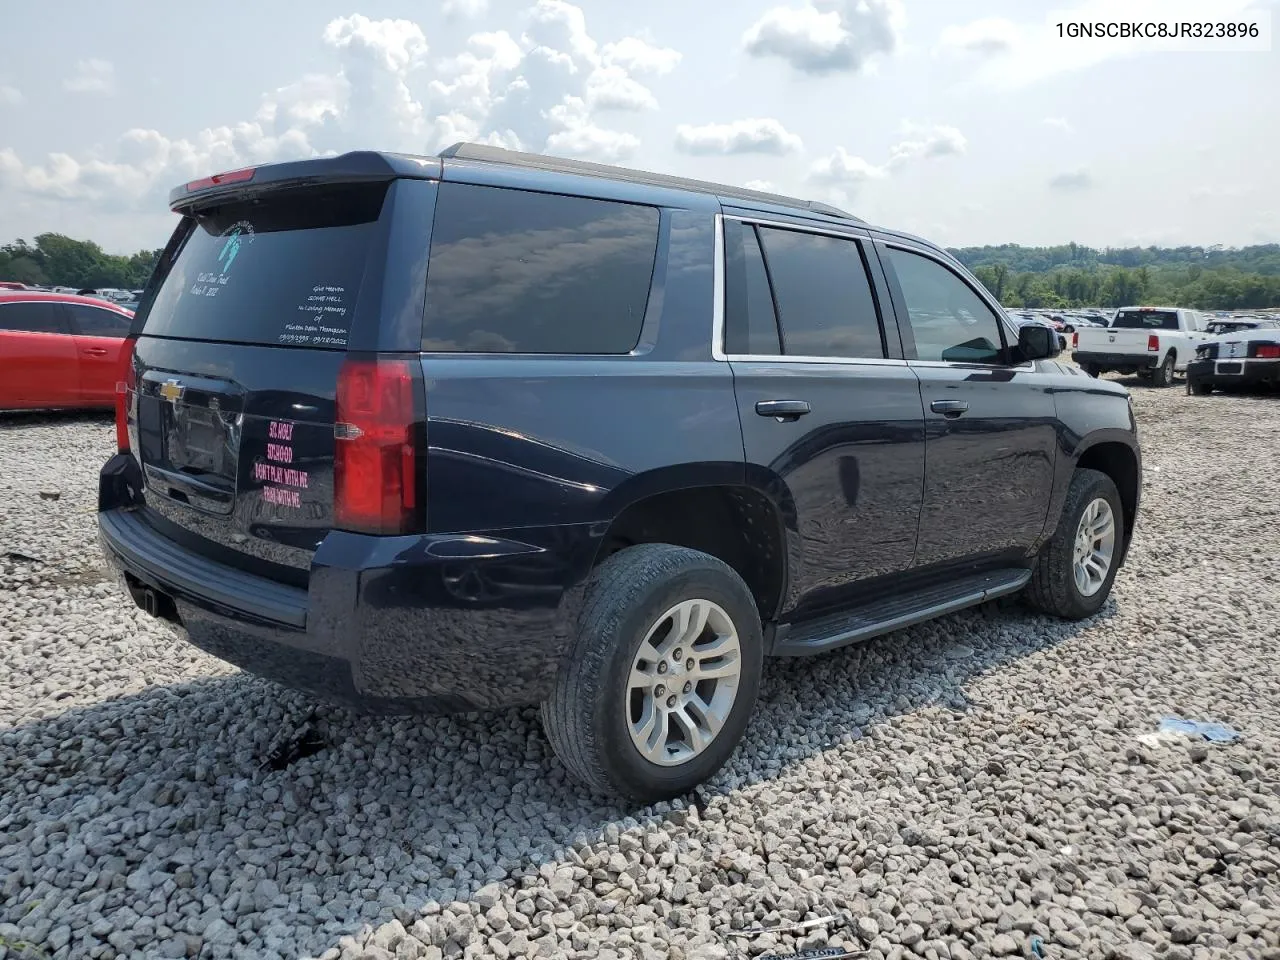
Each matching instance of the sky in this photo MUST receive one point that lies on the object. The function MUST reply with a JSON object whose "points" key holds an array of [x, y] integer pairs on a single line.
{"points": [[966, 121]]}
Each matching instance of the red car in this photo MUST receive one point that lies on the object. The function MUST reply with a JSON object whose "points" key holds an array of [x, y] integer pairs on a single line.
{"points": [[58, 350]]}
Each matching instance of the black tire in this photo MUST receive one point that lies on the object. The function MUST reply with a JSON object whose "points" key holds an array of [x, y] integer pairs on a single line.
{"points": [[1090, 369], [586, 716], [1199, 388], [1162, 376], [1053, 587]]}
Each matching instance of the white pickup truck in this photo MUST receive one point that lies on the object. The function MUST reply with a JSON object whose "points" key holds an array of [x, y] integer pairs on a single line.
{"points": [[1154, 342]]}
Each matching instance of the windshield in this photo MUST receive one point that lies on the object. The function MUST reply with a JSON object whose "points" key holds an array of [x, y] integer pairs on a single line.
{"points": [[284, 270], [1146, 320]]}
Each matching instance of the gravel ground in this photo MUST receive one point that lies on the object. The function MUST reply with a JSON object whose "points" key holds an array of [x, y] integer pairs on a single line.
{"points": [[954, 790]]}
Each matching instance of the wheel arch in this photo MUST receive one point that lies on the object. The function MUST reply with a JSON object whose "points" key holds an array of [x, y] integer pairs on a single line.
{"points": [[1120, 460], [716, 511]]}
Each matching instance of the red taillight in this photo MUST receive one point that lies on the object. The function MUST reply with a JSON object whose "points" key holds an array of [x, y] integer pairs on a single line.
{"points": [[126, 383], [1267, 351], [231, 176], [1075, 339], [374, 458], [1153, 344]]}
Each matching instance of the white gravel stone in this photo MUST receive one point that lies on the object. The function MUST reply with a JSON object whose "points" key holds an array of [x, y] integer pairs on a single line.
{"points": [[950, 790]]}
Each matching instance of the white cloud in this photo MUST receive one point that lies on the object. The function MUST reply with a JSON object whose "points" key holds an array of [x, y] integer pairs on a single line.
{"points": [[842, 174], [92, 76], [610, 88], [828, 36], [1058, 123], [755, 135], [465, 8], [842, 167], [632, 53], [588, 140], [394, 44], [1071, 181], [10, 96], [544, 88], [925, 142]]}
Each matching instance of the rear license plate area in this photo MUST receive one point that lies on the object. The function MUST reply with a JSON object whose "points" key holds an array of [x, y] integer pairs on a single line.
{"points": [[189, 447], [1228, 369]]}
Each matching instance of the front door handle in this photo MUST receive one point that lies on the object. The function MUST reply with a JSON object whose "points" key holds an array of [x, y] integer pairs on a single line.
{"points": [[782, 409], [95, 352], [949, 408]]}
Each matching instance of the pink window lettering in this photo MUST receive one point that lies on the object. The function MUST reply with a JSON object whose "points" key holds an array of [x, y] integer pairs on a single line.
{"points": [[270, 473], [282, 497], [280, 430], [280, 453]]}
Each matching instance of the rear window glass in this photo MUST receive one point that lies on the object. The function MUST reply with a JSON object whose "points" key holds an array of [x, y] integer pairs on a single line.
{"points": [[1146, 320], [518, 272], [282, 271]]}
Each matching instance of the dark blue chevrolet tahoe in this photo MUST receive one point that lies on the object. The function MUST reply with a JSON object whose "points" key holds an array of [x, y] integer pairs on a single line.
{"points": [[486, 429]]}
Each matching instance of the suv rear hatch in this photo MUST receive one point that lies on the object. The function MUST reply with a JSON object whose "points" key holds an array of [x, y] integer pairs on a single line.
{"points": [[270, 293]]}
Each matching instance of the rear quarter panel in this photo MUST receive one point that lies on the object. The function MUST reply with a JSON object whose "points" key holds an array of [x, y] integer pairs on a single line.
{"points": [[518, 440]]}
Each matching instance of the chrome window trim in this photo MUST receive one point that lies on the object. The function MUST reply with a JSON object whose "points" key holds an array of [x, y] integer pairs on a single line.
{"points": [[718, 295], [843, 361]]}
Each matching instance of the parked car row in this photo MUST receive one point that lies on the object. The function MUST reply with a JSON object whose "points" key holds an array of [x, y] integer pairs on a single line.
{"points": [[1214, 352], [1063, 322], [112, 294]]}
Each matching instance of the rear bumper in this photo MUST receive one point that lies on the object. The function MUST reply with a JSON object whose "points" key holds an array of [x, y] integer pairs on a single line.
{"points": [[1117, 361], [418, 624], [1235, 371]]}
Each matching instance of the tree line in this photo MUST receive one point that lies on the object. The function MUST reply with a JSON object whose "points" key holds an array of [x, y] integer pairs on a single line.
{"points": [[1071, 275], [55, 260]]}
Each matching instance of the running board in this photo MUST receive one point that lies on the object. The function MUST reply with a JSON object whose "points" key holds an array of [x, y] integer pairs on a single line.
{"points": [[886, 615]]}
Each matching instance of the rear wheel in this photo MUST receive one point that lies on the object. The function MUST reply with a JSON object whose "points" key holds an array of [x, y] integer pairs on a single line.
{"points": [[1163, 374], [1199, 388], [662, 676], [1091, 369], [1074, 572]]}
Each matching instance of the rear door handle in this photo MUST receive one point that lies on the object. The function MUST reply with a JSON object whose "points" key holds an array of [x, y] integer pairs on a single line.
{"points": [[949, 408], [95, 352], [782, 409]]}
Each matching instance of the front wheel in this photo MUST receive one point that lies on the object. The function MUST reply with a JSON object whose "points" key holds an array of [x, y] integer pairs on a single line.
{"points": [[1074, 572], [1163, 375], [662, 677]]}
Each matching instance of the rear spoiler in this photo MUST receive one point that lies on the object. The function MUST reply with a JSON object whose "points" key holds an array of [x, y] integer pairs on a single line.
{"points": [[361, 166]]}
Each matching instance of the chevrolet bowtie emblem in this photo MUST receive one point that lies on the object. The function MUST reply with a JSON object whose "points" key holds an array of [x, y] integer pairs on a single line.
{"points": [[172, 390]]}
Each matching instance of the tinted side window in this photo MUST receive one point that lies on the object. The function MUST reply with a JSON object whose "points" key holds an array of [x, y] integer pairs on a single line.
{"points": [[825, 304], [751, 326], [32, 317], [519, 272], [948, 320], [92, 322]]}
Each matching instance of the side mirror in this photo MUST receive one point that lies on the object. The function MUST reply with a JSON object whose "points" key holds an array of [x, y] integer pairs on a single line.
{"points": [[1038, 343]]}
